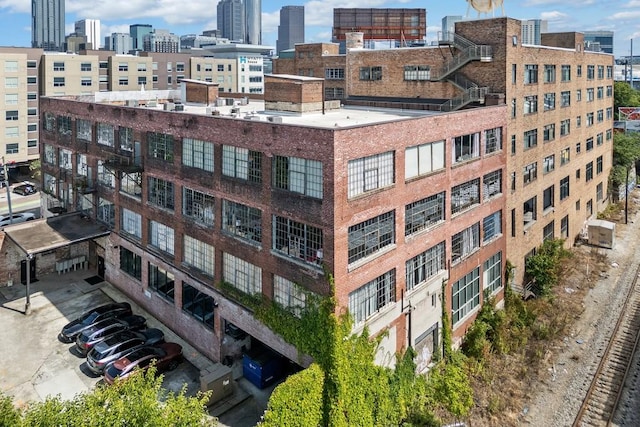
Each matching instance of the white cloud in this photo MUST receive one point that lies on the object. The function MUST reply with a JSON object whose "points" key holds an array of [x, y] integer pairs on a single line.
{"points": [[632, 3], [553, 16], [625, 15], [534, 3], [16, 6], [320, 13]]}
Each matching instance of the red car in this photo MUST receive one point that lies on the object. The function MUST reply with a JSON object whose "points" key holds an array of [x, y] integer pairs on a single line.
{"points": [[167, 356]]}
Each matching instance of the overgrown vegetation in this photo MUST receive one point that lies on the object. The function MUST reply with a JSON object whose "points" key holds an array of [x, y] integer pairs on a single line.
{"points": [[544, 266], [138, 401]]}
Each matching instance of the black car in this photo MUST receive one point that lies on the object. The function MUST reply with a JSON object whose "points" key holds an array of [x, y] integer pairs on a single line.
{"points": [[119, 345], [25, 189], [71, 330], [105, 328]]}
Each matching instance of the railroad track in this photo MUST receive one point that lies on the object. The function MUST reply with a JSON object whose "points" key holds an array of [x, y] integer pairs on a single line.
{"points": [[605, 390]]}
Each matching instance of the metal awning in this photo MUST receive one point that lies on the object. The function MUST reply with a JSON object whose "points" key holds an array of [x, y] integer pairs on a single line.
{"points": [[42, 235]]}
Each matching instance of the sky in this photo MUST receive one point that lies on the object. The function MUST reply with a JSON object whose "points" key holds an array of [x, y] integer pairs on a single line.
{"points": [[194, 16]]}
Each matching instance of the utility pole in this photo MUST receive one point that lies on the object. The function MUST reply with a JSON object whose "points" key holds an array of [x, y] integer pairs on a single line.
{"points": [[6, 183]]}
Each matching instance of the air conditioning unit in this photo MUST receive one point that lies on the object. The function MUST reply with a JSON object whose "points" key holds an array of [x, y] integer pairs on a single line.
{"points": [[132, 103], [169, 106], [235, 110], [274, 119], [179, 107]]}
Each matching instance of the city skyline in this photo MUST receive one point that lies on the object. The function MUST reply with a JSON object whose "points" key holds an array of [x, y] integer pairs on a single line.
{"points": [[198, 15]]}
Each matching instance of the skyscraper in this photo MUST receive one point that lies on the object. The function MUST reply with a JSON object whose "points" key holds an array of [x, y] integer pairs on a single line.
{"points": [[90, 28], [253, 21], [47, 24], [137, 32], [531, 30], [231, 19], [598, 41], [291, 28]]}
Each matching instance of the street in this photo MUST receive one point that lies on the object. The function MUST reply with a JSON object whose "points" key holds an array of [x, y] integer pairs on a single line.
{"points": [[20, 203]]}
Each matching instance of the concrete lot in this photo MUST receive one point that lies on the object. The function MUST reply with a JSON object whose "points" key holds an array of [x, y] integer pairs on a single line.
{"points": [[34, 364]]}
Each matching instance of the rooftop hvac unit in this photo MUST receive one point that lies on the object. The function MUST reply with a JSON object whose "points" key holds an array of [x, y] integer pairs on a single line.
{"points": [[230, 101], [235, 110], [179, 107], [207, 111], [274, 119], [152, 104], [169, 106], [132, 103], [244, 101], [221, 102]]}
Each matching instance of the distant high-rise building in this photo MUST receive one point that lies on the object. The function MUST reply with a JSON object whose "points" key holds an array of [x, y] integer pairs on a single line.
{"points": [[253, 21], [90, 28], [598, 41], [137, 32], [47, 24], [231, 19], [161, 41], [291, 28], [531, 30], [449, 27], [119, 43]]}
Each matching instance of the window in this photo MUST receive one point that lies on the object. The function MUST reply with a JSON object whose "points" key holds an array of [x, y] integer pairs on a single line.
{"points": [[590, 94], [58, 66], [32, 127], [578, 95], [589, 171], [493, 140], [566, 73], [418, 160], [578, 121], [65, 158], [334, 73], [577, 174], [142, 80], [417, 72], [578, 147], [369, 299], [512, 186], [530, 211], [106, 212], [123, 66], [609, 135], [83, 130], [549, 101], [11, 115], [50, 155], [10, 66], [591, 72], [513, 144], [548, 232], [530, 74], [465, 242], [242, 221], [530, 104], [370, 73], [547, 198], [600, 92], [241, 274], [32, 64], [491, 226], [424, 266], [565, 98], [10, 98], [58, 81], [130, 263], [297, 240], [564, 227], [371, 236], [197, 304], [530, 138], [589, 119], [197, 154], [564, 188], [242, 163], [514, 72], [609, 91], [160, 193], [609, 72], [11, 82], [466, 295], [514, 110], [530, 172], [86, 81], [298, 175], [599, 165], [549, 163], [105, 134], [123, 81], [179, 67], [466, 147], [549, 132], [465, 195], [370, 173], [12, 148], [220, 68], [161, 237], [131, 223], [600, 72], [589, 207], [32, 96], [589, 144], [32, 143], [492, 184], [492, 268], [199, 255], [160, 146], [333, 93], [161, 281], [549, 73], [131, 184], [289, 295], [31, 80], [12, 132], [103, 65], [198, 206], [600, 116], [424, 213], [565, 127], [85, 66], [609, 113], [599, 192]]}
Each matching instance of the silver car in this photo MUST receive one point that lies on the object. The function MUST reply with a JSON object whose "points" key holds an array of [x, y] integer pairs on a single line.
{"points": [[16, 218]]}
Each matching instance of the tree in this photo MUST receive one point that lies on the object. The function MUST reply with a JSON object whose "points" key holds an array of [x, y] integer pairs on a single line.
{"points": [[624, 96], [138, 401], [35, 169]]}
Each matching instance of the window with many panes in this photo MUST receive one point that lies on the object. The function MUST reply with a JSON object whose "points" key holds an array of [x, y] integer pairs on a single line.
{"points": [[125, 136], [492, 184], [465, 195], [162, 281], [425, 265], [566, 73], [589, 171], [242, 221], [530, 138], [198, 206], [105, 176], [549, 101], [549, 132], [548, 198], [466, 147], [565, 98], [548, 231], [197, 154], [493, 140], [565, 127], [423, 159], [530, 104], [50, 154], [424, 213], [530, 73], [241, 163], [564, 188], [417, 72], [549, 73], [130, 263], [289, 295], [198, 304], [199, 255], [492, 271], [600, 72], [371, 236], [591, 72], [299, 175], [105, 134], [160, 146], [334, 73], [371, 298], [64, 125], [297, 240], [161, 237], [370, 73], [161, 193], [370, 173], [530, 172], [241, 274], [106, 212], [83, 130], [549, 163], [465, 295], [590, 119], [131, 184], [465, 242], [131, 223], [491, 226]]}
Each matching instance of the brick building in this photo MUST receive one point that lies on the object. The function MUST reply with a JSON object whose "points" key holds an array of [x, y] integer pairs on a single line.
{"points": [[264, 200]]}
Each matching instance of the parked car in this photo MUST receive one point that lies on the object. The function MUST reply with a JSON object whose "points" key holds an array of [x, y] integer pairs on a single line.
{"points": [[25, 189], [119, 345], [167, 357], [71, 330], [16, 218], [105, 328]]}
